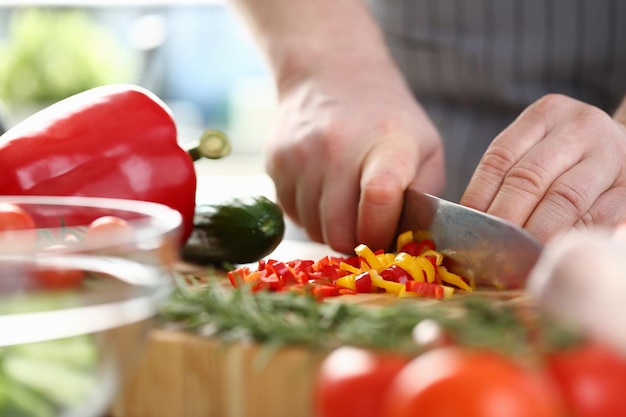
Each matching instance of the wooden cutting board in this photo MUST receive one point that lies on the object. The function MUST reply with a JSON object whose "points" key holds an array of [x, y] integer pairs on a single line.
{"points": [[186, 375]]}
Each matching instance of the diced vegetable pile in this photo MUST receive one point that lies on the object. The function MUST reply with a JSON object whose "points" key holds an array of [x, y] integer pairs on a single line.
{"points": [[416, 269]]}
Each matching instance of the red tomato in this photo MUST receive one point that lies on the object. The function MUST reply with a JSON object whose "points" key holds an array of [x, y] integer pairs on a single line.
{"points": [[18, 234], [352, 381], [58, 277], [13, 217], [109, 231], [453, 381], [592, 378]]}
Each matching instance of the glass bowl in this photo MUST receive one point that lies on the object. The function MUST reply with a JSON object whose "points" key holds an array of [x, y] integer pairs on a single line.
{"points": [[77, 298]]}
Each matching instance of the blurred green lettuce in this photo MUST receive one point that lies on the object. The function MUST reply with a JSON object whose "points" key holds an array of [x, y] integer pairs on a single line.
{"points": [[53, 53]]}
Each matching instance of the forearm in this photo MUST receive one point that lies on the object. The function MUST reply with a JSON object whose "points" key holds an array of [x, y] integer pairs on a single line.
{"points": [[300, 36]]}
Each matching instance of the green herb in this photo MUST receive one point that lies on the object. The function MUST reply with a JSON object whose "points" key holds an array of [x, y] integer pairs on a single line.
{"points": [[277, 318]]}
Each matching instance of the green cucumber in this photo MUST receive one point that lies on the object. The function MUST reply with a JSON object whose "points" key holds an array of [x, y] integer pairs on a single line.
{"points": [[237, 231]]}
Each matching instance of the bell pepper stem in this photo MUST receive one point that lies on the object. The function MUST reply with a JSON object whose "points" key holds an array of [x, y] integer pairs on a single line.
{"points": [[213, 144]]}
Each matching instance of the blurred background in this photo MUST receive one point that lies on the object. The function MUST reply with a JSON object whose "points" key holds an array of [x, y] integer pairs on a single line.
{"points": [[195, 55]]}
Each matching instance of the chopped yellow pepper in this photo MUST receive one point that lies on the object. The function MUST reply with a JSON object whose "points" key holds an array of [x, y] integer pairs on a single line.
{"points": [[348, 281], [452, 278], [386, 260], [418, 267], [388, 286], [433, 253], [347, 267], [447, 291], [403, 239], [372, 260], [404, 293]]}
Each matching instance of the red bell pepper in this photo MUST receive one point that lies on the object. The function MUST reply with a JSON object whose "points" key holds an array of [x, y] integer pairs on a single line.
{"points": [[425, 289], [395, 273], [363, 283], [116, 141]]}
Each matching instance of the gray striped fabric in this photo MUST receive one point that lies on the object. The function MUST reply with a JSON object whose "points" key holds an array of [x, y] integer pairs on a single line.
{"points": [[475, 64]]}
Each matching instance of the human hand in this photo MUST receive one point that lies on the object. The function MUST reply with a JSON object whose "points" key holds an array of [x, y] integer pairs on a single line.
{"points": [[349, 140], [560, 165]]}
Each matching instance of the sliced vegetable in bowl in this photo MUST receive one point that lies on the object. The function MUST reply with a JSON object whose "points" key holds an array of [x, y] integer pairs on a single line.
{"points": [[88, 276]]}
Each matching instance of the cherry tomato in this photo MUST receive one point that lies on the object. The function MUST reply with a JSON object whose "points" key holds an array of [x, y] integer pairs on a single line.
{"points": [[351, 382], [18, 234], [592, 377], [58, 277], [452, 381], [109, 231]]}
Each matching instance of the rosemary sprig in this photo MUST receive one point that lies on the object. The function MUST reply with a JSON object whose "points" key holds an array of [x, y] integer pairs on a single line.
{"points": [[291, 318]]}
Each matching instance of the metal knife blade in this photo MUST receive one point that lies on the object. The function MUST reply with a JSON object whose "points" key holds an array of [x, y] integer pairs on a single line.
{"points": [[487, 250]]}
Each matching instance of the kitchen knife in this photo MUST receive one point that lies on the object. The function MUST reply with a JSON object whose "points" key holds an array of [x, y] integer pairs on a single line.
{"points": [[487, 250]]}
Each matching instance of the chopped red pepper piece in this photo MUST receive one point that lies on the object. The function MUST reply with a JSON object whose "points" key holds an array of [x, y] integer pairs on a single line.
{"points": [[413, 248], [426, 289], [269, 281], [354, 261], [395, 273], [281, 270], [424, 245], [238, 276], [323, 291], [363, 283]]}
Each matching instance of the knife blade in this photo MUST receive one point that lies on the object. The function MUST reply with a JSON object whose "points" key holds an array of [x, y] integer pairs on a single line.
{"points": [[487, 250]]}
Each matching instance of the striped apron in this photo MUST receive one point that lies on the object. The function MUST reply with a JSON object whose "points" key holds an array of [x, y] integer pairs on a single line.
{"points": [[476, 64]]}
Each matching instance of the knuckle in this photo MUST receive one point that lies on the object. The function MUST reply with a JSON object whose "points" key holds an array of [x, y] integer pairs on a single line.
{"points": [[333, 142], [570, 200], [590, 116], [381, 190], [527, 177], [589, 219], [607, 209], [497, 160], [551, 100], [582, 113], [547, 105]]}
